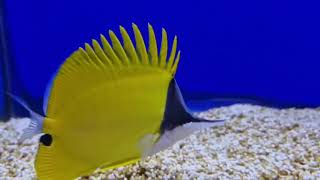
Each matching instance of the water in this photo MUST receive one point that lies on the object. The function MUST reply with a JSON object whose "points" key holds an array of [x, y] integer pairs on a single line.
{"points": [[268, 50]]}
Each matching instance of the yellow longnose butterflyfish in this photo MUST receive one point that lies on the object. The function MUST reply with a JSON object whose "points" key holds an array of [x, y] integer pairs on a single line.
{"points": [[111, 104]]}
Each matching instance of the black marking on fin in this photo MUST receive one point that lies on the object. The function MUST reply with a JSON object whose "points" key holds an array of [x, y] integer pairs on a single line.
{"points": [[46, 139], [176, 112]]}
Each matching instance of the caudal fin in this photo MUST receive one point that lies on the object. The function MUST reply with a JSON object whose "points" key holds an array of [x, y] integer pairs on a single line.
{"points": [[36, 122]]}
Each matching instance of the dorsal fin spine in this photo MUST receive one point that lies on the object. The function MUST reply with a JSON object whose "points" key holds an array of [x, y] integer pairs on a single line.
{"points": [[86, 57], [172, 54], [109, 51], [153, 49], [94, 58], [99, 52], [129, 47], [140, 46], [175, 65], [84, 66], [118, 48], [164, 49]]}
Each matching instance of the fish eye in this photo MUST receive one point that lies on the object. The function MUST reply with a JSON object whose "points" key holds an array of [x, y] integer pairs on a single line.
{"points": [[46, 139]]}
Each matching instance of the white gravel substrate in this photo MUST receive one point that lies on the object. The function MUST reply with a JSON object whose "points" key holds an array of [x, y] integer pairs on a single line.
{"points": [[256, 143]]}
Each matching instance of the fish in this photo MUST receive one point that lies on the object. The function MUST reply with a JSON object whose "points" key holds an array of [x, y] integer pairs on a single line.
{"points": [[110, 104]]}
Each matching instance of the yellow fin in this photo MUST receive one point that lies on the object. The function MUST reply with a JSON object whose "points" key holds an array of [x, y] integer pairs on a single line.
{"points": [[118, 48], [140, 46], [153, 50], [164, 49], [92, 66], [128, 46], [109, 51], [176, 62], [172, 54], [101, 55]]}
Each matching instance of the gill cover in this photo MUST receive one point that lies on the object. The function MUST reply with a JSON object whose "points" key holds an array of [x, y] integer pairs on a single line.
{"points": [[103, 100]]}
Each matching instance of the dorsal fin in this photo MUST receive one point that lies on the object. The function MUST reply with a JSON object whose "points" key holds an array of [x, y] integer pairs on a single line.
{"points": [[103, 62]]}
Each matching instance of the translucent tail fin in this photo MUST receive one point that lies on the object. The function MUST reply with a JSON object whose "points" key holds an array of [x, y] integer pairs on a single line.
{"points": [[36, 123]]}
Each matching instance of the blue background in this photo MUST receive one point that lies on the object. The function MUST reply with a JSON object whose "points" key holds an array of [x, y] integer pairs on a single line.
{"points": [[2, 97], [267, 52]]}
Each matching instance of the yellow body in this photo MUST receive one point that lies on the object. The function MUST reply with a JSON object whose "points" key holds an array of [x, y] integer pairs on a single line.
{"points": [[103, 101]]}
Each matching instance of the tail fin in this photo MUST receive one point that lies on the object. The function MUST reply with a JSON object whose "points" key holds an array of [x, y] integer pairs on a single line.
{"points": [[35, 126]]}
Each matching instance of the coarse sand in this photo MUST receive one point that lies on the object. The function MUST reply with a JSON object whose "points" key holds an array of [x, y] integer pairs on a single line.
{"points": [[255, 143]]}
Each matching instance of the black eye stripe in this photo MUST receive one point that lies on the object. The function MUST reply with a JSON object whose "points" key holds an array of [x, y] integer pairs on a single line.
{"points": [[46, 139]]}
